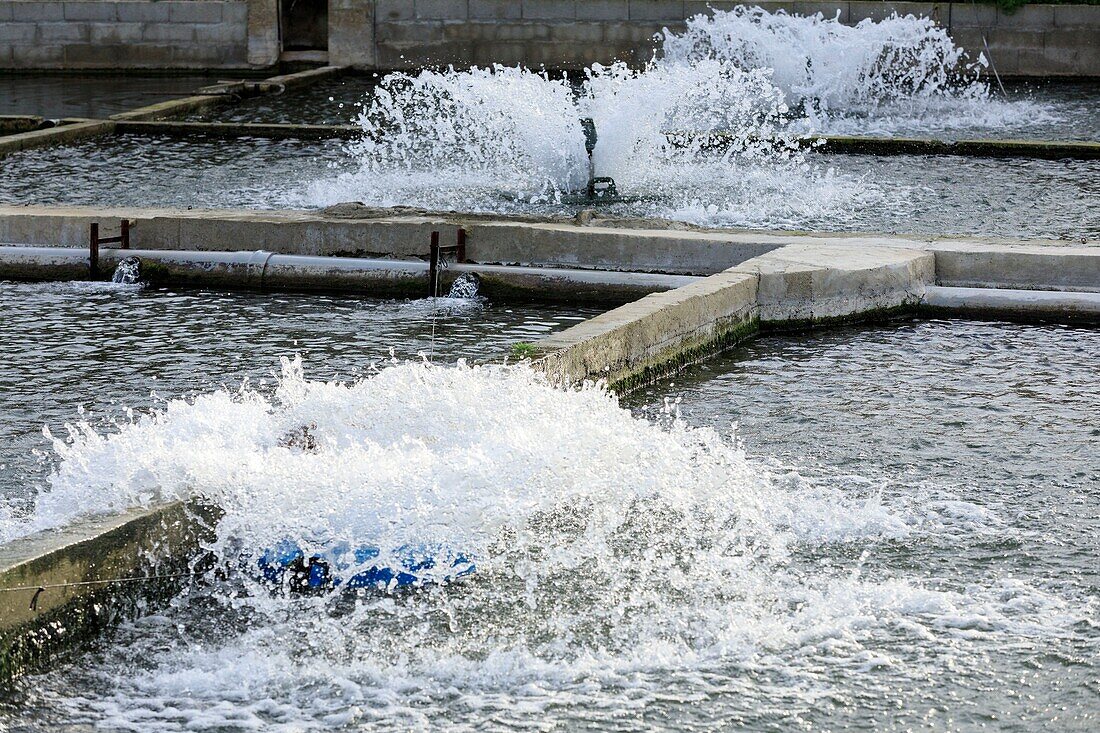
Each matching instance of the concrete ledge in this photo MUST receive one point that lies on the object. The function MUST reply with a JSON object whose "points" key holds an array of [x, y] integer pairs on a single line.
{"points": [[655, 336], [226, 93], [1077, 308], [1025, 267], [809, 284], [272, 131], [393, 233], [145, 553], [69, 133]]}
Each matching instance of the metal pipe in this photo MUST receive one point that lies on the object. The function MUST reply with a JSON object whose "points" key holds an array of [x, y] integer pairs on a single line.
{"points": [[372, 277]]}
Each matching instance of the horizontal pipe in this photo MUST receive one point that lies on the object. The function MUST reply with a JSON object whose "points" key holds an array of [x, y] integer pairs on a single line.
{"points": [[1025, 305], [263, 270]]}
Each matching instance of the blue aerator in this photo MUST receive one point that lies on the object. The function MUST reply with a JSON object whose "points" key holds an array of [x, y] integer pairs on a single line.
{"points": [[343, 566]]}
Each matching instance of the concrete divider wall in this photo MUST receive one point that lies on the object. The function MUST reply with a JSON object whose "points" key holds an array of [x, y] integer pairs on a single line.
{"points": [[792, 287], [63, 586], [125, 34]]}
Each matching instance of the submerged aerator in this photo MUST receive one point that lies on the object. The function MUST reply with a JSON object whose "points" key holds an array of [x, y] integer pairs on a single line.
{"points": [[600, 188], [342, 566]]}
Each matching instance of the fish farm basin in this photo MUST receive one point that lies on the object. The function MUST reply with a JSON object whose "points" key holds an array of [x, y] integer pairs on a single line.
{"points": [[339, 399]]}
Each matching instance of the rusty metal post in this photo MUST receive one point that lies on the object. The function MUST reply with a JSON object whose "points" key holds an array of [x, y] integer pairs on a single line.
{"points": [[460, 248], [93, 250], [433, 267], [124, 235]]}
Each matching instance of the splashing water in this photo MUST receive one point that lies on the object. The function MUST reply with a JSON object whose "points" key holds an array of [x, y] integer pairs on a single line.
{"points": [[622, 564], [127, 272], [465, 286], [477, 134], [900, 74], [508, 140]]}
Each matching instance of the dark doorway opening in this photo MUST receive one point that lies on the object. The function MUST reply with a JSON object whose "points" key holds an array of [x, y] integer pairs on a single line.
{"points": [[304, 25]]}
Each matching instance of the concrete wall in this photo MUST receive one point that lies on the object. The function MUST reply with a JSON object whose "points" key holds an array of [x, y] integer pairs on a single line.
{"points": [[129, 34], [1037, 40]]}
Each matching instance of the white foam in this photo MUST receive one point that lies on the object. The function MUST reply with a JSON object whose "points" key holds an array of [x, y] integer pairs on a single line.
{"points": [[619, 560]]}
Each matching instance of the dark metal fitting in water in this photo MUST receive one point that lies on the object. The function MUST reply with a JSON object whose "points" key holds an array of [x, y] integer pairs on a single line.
{"points": [[602, 187], [589, 127]]}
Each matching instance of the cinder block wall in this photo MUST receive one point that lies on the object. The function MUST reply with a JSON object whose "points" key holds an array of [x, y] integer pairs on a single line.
{"points": [[127, 34], [1037, 40]]}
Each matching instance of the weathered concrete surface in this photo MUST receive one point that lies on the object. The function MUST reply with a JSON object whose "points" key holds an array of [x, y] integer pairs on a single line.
{"points": [[1026, 267], [393, 234], [805, 283], [1013, 305], [68, 133], [69, 566], [792, 287], [657, 335]]}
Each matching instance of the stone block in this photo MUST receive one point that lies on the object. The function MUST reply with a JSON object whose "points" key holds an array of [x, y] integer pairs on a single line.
{"points": [[1077, 16], [576, 32], [391, 10], [44, 11], [603, 9], [496, 9], [492, 32], [656, 9], [236, 13], [971, 15], [507, 53], [195, 11], [223, 33], [550, 9], [116, 32], [440, 10], [419, 32], [351, 37], [20, 33], [877, 11], [5, 11], [167, 32], [1038, 17], [92, 55], [142, 12], [90, 10], [631, 33]]}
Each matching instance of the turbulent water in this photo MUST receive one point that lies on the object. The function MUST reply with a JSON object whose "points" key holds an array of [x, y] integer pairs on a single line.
{"points": [[508, 139], [629, 572]]}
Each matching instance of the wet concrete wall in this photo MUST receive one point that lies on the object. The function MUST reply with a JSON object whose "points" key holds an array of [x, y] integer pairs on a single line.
{"points": [[1036, 40]]}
